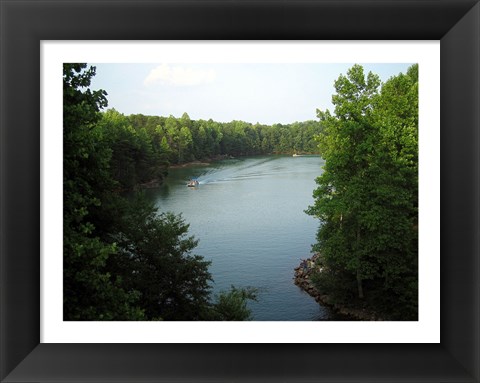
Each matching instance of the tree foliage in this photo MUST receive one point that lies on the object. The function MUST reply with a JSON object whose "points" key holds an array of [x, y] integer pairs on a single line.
{"points": [[232, 305], [135, 159], [90, 290], [366, 197], [155, 259], [122, 259], [182, 140]]}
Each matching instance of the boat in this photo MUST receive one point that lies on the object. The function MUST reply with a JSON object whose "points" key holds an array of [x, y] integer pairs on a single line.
{"points": [[193, 183], [295, 155]]}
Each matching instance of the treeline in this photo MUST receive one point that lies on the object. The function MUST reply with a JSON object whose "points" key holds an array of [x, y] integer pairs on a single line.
{"points": [[144, 146], [123, 260], [367, 195], [188, 140]]}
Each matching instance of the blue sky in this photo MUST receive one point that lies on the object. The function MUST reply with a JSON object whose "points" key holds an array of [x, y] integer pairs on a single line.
{"points": [[264, 93]]}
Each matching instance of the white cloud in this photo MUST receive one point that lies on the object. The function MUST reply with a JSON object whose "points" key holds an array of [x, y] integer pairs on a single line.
{"points": [[180, 76]]}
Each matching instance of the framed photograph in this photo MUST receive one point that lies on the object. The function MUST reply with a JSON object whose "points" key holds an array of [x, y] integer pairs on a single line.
{"points": [[258, 234], [268, 352]]}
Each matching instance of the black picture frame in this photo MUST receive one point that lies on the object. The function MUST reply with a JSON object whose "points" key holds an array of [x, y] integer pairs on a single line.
{"points": [[456, 23]]}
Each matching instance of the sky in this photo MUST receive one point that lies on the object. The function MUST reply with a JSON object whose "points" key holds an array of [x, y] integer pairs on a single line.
{"points": [[263, 93]]}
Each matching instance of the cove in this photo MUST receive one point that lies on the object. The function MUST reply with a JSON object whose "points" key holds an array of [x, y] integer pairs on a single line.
{"points": [[248, 215]]}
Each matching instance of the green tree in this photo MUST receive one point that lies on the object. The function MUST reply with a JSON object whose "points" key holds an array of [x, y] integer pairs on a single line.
{"points": [[366, 195], [397, 194], [232, 305], [135, 159], [184, 140], [154, 257], [346, 145], [90, 291]]}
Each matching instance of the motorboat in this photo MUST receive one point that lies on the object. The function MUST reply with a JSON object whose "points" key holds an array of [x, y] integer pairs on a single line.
{"points": [[193, 183]]}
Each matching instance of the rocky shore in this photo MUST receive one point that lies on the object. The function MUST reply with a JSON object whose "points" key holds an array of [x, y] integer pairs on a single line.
{"points": [[303, 274]]}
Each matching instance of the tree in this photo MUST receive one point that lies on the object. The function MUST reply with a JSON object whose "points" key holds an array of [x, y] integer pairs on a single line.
{"points": [[232, 305], [154, 257], [90, 291], [134, 158], [366, 195], [346, 145], [184, 144], [397, 114]]}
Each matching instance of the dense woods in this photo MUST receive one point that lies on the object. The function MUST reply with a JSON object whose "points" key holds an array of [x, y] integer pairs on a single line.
{"points": [[367, 196], [123, 260]]}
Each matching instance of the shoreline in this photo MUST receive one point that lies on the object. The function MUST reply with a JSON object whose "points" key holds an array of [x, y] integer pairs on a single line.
{"points": [[208, 161], [189, 164], [157, 182], [204, 162], [302, 279]]}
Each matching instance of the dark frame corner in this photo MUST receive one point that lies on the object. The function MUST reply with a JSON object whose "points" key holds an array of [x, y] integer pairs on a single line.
{"points": [[456, 23]]}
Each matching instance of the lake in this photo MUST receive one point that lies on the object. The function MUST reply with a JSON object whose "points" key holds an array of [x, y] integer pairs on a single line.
{"points": [[248, 214]]}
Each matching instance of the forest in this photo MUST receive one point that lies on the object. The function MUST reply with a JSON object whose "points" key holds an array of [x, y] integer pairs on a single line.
{"points": [[124, 260]]}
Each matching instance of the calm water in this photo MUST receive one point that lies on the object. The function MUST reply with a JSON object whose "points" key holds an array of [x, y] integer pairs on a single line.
{"points": [[249, 217]]}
